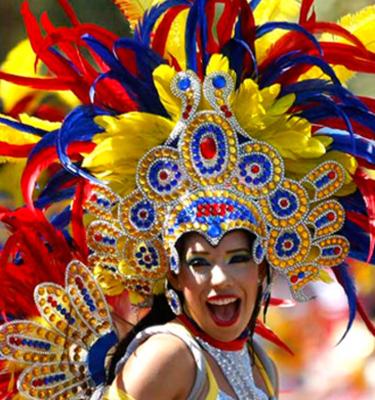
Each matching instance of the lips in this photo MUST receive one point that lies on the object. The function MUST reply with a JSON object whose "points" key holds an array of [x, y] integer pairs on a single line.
{"points": [[224, 310]]}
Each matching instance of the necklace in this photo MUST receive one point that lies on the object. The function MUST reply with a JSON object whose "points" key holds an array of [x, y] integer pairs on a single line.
{"points": [[236, 344], [236, 367]]}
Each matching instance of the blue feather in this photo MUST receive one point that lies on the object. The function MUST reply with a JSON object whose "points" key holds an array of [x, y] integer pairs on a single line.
{"points": [[62, 220], [346, 281], [290, 60], [254, 4], [22, 127], [304, 89], [191, 38], [55, 197], [203, 31], [364, 148], [145, 27], [235, 51], [354, 202], [289, 26], [359, 241], [147, 60], [79, 126], [140, 88]]}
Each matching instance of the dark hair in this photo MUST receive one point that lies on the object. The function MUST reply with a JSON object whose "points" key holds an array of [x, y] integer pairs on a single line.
{"points": [[161, 313]]}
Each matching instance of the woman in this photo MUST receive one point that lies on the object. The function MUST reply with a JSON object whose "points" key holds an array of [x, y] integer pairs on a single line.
{"points": [[226, 134], [221, 292]]}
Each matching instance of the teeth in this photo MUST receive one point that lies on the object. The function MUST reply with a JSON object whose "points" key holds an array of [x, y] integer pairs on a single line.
{"points": [[221, 302]]}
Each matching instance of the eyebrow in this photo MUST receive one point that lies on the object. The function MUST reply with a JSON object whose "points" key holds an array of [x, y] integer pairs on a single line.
{"points": [[205, 253], [238, 250]]}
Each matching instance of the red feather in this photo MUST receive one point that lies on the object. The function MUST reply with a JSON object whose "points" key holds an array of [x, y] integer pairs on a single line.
{"points": [[262, 330], [42, 253], [365, 318], [305, 10], [367, 188], [162, 31], [15, 150], [43, 160], [78, 228]]}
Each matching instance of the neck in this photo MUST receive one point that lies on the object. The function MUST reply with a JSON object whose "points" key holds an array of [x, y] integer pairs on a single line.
{"points": [[233, 345]]}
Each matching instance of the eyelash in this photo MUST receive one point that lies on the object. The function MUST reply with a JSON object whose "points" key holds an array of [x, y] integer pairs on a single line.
{"points": [[236, 259], [240, 258]]}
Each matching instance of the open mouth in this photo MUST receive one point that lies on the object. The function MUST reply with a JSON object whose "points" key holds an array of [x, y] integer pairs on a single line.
{"points": [[224, 310]]}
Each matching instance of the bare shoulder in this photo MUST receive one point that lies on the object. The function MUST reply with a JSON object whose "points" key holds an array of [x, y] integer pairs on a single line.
{"points": [[269, 366], [161, 368]]}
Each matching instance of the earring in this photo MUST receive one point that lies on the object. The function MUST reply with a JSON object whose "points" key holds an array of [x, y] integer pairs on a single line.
{"points": [[173, 301]]}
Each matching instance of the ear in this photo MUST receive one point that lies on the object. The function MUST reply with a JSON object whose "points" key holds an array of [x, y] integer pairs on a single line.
{"points": [[174, 280]]}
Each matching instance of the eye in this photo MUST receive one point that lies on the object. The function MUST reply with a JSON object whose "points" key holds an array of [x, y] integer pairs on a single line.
{"points": [[198, 262], [240, 258]]}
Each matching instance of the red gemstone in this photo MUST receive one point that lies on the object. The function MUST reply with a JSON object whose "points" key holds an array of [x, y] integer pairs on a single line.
{"points": [[288, 244], [230, 208], [331, 216], [222, 209], [189, 107], [332, 175], [224, 108], [208, 148], [255, 169], [228, 114], [143, 214], [94, 197], [284, 203], [147, 258], [185, 115], [294, 279], [163, 175], [98, 237], [337, 250]]}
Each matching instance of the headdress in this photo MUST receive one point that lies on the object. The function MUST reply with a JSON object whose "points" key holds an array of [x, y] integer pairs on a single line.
{"points": [[212, 117]]}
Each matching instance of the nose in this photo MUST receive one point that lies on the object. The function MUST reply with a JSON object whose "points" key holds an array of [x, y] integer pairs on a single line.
{"points": [[220, 276]]}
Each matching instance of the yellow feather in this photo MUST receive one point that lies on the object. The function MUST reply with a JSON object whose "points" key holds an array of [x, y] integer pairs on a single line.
{"points": [[39, 123], [324, 276], [134, 10], [163, 76], [10, 182], [273, 10], [175, 44], [20, 61], [220, 63], [126, 139]]}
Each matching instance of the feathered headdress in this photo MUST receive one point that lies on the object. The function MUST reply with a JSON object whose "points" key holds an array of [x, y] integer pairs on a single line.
{"points": [[214, 115]]}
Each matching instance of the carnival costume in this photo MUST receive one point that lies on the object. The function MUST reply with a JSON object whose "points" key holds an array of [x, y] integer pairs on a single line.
{"points": [[214, 116]]}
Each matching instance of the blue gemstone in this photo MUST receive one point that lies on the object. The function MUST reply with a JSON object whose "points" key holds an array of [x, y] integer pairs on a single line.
{"points": [[184, 84], [214, 231], [301, 275], [219, 82]]}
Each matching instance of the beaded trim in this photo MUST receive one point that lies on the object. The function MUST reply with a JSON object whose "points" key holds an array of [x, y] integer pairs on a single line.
{"points": [[65, 355]]}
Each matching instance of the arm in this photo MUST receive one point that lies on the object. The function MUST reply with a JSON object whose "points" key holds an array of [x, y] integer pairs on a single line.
{"points": [[161, 368]]}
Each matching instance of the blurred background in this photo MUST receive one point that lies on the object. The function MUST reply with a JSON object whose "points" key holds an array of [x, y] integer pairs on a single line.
{"points": [[321, 369]]}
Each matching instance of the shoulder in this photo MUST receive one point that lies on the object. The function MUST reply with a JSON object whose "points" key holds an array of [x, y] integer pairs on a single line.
{"points": [[268, 365], [161, 358]]}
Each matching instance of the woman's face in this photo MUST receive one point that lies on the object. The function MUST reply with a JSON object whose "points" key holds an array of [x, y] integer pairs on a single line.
{"points": [[219, 284]]}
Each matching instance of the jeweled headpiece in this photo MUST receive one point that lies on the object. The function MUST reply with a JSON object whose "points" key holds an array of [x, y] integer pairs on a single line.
{"points": [[212, 177]]}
